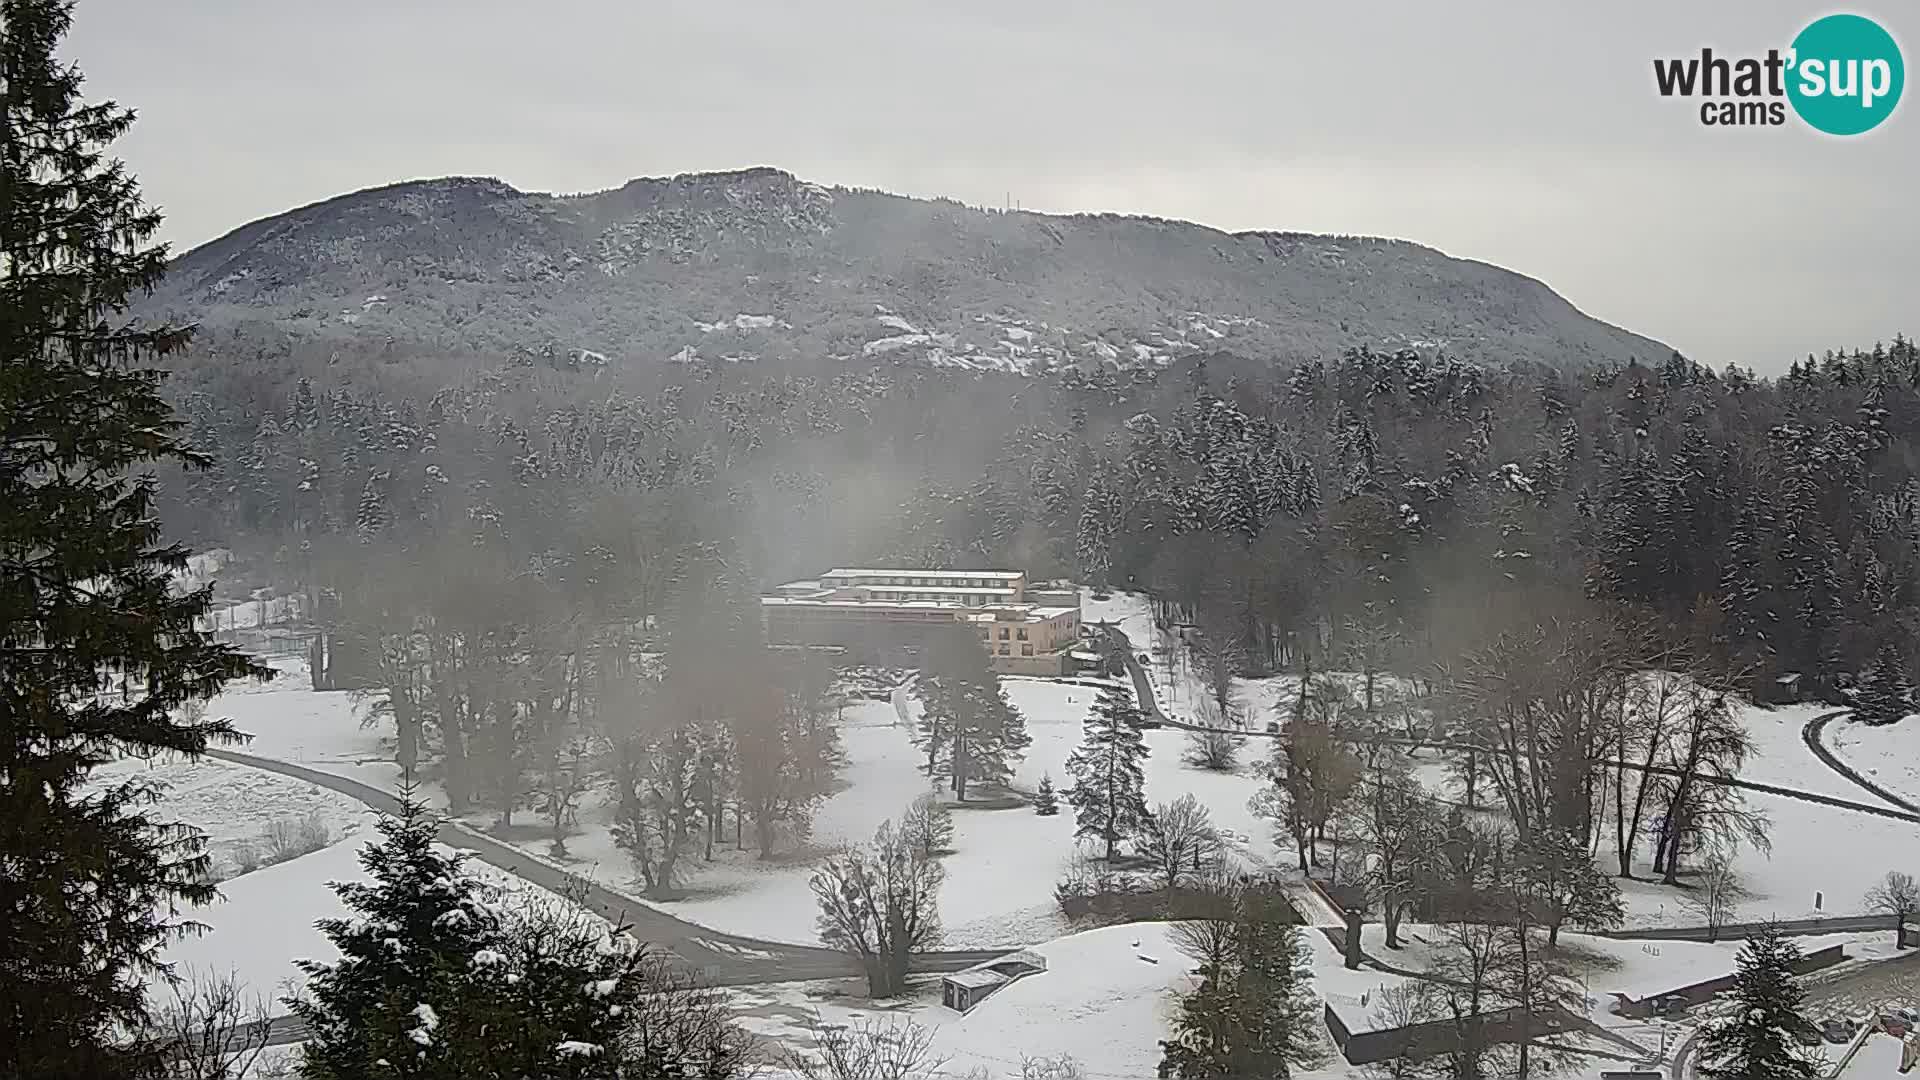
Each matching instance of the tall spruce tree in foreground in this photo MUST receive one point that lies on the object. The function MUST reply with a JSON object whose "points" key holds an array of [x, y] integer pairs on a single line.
{"points": [[443, 978], [1755, 1041], [1108, 793], [1254, 1013], [417, 929], [98, 653]]}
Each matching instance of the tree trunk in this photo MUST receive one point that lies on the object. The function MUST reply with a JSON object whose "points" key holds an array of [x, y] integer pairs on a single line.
{"points": [[406, 728], [453, 741], [763, 829], [876, 976], [506, 767], [960, 766], [1352, 943]]}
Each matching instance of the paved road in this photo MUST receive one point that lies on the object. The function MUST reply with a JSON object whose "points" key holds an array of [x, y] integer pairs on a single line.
{"points": [[1812, 735], [719, 959]]}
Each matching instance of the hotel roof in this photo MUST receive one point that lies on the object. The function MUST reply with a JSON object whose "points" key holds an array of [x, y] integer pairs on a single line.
{"points": [[911, 572], [941, 588], [866, 605]]}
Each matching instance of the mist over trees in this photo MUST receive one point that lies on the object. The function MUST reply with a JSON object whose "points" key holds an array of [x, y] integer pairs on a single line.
{"points": [[552, 571], [542, 574], [1364, 509]]}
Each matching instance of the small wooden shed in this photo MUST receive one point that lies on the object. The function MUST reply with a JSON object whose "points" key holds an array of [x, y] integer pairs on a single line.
{"points": [[962, 990], [1789, 689]]}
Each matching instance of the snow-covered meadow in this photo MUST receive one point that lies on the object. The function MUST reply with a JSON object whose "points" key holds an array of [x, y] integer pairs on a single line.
{"points": [[1886, 755], [1105, 1000], [1001, 873], [237, 808], [1005, 862], [1113, 999]]}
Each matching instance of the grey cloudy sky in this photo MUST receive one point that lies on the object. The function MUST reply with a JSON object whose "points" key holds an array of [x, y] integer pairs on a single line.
{"points": [[1526, 134]]}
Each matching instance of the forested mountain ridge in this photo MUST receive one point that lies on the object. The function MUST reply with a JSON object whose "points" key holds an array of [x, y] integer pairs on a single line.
{"points": [[758, 265], [1379, 498]]}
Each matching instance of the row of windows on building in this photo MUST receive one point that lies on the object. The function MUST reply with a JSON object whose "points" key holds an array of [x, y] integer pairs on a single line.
{"points": [[927, 582]]}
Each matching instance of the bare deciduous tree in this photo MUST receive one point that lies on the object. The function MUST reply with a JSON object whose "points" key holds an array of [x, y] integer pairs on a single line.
{"points": [[1207, 935], [1716, 893], [655, 777], [1897, 896], [927, 827], [1221, 657], [1404, 1005], [867, 1049], [290, 838], [1216, 748], [1540, 705], [211, 1030], [569, 769], [1393, 818], [1180, 842], [880, 904], [1063, 1067], [1312, 771]]}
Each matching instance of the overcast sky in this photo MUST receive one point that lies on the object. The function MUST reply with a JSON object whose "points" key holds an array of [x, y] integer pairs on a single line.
{"points": [[1526, 134]]}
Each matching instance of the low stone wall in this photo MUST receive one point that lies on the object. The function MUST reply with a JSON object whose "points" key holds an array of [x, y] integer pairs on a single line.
{"points": [[1698, 993], [1417, 1041], [1144, 905], [1836, 924]]}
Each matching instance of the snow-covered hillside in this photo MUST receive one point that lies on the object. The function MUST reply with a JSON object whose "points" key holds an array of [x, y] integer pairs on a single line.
{"points": [[759, 265]]}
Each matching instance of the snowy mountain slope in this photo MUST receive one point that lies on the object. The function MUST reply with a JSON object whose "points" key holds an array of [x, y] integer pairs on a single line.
{"points": [[759, 265]]}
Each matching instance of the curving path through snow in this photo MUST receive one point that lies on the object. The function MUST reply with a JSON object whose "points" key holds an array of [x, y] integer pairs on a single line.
{"points": [[1813, 734], [1908, 811], [719, 958]]}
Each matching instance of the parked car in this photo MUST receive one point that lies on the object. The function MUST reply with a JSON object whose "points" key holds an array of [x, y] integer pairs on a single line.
{"points": [[1837, 1029]]}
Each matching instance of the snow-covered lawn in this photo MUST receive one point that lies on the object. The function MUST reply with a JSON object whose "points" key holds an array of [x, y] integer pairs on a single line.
{"points": [[1889, 756], [1877, 1059], [288, 720], [233, 805], [1001, 874], [264, 921], [1005, 862], [1636, 969], [1823, 859], [1107, 998]]}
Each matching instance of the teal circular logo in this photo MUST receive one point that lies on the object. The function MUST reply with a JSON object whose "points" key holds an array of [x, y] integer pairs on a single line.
{"points": [[1846, 74]]}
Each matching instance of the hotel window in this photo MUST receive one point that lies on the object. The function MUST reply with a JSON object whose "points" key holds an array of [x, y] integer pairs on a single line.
{"points": [[1003, 633], [1022, 633], [1003, 650], [1026, 650]]}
